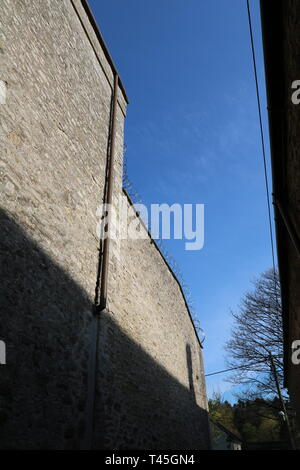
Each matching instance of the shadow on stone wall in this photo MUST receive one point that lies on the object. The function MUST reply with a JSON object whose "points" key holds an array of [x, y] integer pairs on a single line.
{"points": [[46, 323], [189, 362], [140, 405]]}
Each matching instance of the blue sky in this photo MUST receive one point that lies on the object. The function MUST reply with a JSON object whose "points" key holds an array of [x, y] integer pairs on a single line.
{"points": [[192, 136]]}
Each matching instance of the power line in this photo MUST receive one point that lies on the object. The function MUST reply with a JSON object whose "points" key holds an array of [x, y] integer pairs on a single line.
{"points": [[222, 371], [262, 134], [235, 368], [265, 175], [240, 367], [263, 152]]}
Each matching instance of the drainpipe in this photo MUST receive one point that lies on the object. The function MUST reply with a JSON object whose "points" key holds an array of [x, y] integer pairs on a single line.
{"points": [[100, 303], [108, 197], [289, 226]]}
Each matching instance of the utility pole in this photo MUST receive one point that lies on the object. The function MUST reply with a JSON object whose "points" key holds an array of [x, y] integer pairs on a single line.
{"points": [[288, 425]]}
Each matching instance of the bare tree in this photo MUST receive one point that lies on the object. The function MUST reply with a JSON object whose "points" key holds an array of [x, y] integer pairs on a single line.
{"points": [[256, 333]]}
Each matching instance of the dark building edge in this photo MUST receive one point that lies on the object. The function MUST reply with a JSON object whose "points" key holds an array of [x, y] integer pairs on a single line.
{"points": [[273, 46], [100, 38]]}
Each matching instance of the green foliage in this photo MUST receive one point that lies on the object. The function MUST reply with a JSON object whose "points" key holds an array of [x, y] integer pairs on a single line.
{"points": [[251, 420], [223, 412]]}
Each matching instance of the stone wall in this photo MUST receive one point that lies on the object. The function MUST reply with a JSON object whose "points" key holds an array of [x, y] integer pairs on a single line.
{"points": [[54, 132], [150, 354], [140, 362]]}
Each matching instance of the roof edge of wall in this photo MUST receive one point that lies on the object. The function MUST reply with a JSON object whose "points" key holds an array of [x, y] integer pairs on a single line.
{"points": [[168, 266], [103, 45]]}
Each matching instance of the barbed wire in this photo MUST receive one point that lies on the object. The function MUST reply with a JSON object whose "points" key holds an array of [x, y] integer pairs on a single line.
{"points": [[136, 198]]}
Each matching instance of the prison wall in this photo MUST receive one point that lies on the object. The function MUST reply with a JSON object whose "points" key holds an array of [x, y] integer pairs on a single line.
{"points": [[161, 371], [127, 377], [54, 134]]}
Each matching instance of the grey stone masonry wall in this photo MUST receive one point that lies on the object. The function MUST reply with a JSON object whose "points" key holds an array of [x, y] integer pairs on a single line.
{"points": [[150, 354], [54, 132], [131, 377]]}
